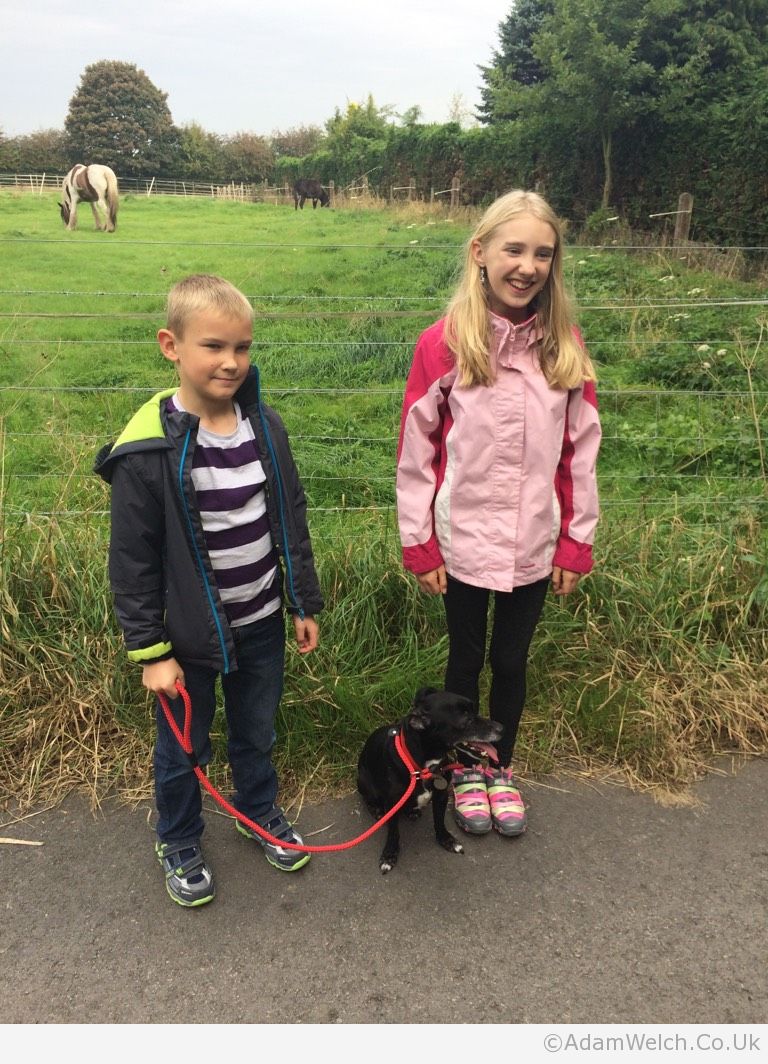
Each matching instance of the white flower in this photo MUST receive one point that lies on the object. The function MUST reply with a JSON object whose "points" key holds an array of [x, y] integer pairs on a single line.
{"points": [[695, 291], [413, 241], [669, 277], [703, 347], [722, 351], [582, 262], [706, 365]]}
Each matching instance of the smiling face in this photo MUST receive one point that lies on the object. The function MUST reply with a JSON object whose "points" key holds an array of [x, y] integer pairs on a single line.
{"points": [[212, 356], [518, 259]]}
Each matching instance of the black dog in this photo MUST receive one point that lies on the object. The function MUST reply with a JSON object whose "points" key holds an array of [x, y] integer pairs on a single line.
{"points": [[437, 723]]}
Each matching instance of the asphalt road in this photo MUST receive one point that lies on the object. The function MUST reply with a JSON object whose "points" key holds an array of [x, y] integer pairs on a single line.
{"points": [[612, 908]]}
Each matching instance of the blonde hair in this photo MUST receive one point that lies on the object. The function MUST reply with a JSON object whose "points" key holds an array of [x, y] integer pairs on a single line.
{"points": [[204, 291], [468, 330]]}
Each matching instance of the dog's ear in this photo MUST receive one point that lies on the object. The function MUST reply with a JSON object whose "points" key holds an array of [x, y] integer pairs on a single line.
{"points": [[422, 693], [417, 719]]}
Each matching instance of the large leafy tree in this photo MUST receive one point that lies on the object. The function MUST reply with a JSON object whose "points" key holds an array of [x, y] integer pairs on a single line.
{"points": [[624, 100], [514, 63], [118, 117], [200, 154], [590, 51], [247, 157], [297, 141], [36, 153]]}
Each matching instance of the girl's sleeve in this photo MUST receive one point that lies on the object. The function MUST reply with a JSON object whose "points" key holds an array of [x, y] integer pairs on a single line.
{"points": [[576, 481], [418, 461]]}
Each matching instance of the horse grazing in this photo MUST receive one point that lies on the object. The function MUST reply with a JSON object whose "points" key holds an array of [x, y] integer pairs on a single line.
{"points": [[94, 184], [305, 189]]}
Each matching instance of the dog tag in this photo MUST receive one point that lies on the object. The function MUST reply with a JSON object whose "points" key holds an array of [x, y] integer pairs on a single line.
{"points": [[440, 783]]}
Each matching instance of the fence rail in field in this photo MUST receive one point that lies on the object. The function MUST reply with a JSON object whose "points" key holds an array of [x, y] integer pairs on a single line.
{"points": [[250, 192]]}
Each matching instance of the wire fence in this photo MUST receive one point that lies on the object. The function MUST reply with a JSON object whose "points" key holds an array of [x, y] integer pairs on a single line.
{"points": [[662, 450], [698, 449]]}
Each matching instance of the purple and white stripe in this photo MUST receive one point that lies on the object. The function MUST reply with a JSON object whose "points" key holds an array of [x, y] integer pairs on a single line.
{"points": [[229, 485]]}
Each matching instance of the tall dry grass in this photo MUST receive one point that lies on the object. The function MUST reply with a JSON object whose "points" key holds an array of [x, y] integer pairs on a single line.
{"points": [[648, 672]]}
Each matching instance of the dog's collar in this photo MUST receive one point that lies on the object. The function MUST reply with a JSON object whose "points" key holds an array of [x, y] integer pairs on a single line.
{"points": [[423, 774]]}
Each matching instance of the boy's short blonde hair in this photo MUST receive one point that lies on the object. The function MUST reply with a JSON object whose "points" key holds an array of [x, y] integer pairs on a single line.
{"points": [[204, 291]]}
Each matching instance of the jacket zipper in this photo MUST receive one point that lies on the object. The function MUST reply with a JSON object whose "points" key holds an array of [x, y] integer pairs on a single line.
{"points": [[279, 479], [198, 557]]}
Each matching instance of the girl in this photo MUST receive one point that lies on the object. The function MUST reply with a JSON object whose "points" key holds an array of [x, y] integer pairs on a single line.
{"points": [[496, 486]]}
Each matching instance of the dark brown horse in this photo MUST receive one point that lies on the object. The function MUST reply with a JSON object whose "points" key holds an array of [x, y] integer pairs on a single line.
{"points": [[306, 188], [93, 184]]}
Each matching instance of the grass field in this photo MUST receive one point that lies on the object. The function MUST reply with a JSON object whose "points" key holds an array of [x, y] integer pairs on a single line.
{"points": [[660, 660]]}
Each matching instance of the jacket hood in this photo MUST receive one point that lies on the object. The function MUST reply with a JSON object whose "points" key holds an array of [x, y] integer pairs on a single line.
{"points": [[146, 431]]}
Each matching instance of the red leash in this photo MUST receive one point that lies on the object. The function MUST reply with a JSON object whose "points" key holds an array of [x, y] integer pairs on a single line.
{"points": [[185, 741]]}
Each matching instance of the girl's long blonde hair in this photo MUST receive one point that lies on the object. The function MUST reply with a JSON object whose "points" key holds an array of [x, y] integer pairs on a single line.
{"points": [[468, 330]]}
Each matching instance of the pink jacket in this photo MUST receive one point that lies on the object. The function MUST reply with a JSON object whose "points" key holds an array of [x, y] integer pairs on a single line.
{"points": [[497, 482]]}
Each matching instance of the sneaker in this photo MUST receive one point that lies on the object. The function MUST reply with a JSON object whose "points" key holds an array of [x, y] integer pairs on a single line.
{"points": [[507, 806], [471, 808], [188, 879], [276, 824]]}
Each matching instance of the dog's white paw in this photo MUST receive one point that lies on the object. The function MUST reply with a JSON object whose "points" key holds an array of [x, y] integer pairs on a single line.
{"points": [[385, 867], [456, 847]]}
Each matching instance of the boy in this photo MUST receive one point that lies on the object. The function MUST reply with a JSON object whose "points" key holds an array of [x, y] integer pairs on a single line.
{"points": [[209, 536]]}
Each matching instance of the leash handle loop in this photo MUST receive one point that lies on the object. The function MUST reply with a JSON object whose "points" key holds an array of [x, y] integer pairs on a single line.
{"points": [[185, 741]]}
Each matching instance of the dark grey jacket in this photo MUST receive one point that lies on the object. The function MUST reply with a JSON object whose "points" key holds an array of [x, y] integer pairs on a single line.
{"points": [[166, 598]]}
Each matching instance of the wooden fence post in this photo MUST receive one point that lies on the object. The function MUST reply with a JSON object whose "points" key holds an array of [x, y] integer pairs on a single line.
{"points": [[683, 218], [332, 193], [455, 186], [412, 190]]}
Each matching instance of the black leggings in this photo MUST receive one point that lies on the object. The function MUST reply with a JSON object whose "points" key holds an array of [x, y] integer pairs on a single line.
{"points": [[515, 616]]}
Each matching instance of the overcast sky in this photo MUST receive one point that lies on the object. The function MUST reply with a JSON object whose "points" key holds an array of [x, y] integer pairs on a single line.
{"points": [[249, 65]]}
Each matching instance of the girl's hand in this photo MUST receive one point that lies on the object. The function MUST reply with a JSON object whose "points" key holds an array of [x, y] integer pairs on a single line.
{"points": [[307, 633], [564, 581], [160, 677], [434, 582]]}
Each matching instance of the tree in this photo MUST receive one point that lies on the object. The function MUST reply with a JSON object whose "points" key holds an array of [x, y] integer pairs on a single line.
{"points": [[200, 154], [118, 117], [514, 63], [44, 151], [589, 51], [247, 157], [297, 141]]}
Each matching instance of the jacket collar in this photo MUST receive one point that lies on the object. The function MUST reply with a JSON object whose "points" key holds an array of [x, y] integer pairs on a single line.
{"points": [[509, 340]]}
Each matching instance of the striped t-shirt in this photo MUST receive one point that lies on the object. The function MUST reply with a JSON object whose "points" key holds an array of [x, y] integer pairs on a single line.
{"points": [[229, 485]]}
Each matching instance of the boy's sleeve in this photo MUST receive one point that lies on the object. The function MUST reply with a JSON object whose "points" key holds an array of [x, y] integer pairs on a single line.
{"points": [[576, 481], [136, 566], [307, 583], [312, 596]]}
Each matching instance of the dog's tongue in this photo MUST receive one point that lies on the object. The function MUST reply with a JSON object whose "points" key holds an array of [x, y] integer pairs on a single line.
{"points": [[484, 748]]}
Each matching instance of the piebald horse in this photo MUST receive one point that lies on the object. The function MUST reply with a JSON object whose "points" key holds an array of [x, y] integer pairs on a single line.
{"points": [[94, 184]]}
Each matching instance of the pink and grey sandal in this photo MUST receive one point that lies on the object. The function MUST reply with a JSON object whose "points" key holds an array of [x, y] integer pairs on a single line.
{"points": [[507, 806], [471, 809]]}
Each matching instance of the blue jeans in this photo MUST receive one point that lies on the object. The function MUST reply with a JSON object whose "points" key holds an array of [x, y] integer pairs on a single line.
{"points": [[251, 697]]}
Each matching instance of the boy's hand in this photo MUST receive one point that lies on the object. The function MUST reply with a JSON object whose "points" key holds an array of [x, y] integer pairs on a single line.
{"points": [[564, 581], [307, 633], [160, 677]]}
